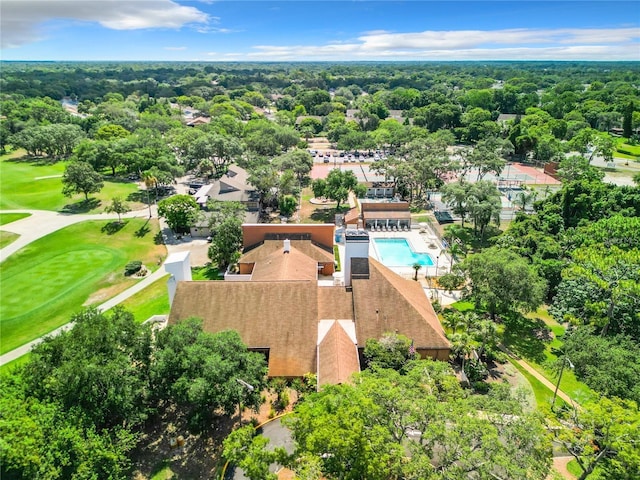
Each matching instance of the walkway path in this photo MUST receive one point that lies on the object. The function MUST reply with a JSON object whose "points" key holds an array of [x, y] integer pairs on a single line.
{"points": [[41, 223], [121, 297], [538, 376], [560, 465]]}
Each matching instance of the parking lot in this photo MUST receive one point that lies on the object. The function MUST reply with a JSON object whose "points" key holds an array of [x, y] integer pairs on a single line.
{"points": [[335, 157]]}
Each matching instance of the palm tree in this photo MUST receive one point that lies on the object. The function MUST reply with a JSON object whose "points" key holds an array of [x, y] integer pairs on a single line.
{"points": [[454, 251], [524, 198], [416, 266], [486, 333], [453, 320], [149, 181], [461, 346]]}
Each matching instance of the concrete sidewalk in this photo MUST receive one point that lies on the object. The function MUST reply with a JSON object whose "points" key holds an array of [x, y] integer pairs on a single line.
{"points": [[142, 284], [43, 222]]}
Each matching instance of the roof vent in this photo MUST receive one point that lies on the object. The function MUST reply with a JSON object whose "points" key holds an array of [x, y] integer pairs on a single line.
{"points": [[287, 245]]}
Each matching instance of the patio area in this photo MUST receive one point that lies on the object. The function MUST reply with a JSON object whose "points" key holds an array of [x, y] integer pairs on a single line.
{"points": [[421, 239]]}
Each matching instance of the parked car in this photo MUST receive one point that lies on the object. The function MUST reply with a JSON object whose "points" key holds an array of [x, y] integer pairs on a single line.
{"points": [[326, 160]]}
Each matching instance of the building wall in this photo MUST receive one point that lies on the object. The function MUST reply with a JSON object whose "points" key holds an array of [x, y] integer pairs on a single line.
{"points": [[327, 269], [384, 206], [255, 233], [434, 353]]}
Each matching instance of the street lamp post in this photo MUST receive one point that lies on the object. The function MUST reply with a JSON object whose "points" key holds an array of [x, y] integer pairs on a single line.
{"points": [[436, 278], [565, 359], [248, 387]]}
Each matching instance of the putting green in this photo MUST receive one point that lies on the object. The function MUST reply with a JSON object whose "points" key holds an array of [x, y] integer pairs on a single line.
{"points": [[43, 284]]}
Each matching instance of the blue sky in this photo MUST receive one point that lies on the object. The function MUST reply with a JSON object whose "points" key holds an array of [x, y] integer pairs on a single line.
{"points": [[207, 30]]}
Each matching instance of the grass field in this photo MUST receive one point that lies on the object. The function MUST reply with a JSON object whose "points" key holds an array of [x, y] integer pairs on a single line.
{"points": [[7, 238], [153, 300], [37, 184], [12, 217], [43, 284], [13, 364]]}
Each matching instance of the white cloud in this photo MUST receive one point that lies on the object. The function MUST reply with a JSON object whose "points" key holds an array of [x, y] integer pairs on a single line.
{"points": [[508, 44], [22, 20], [207, 29]]}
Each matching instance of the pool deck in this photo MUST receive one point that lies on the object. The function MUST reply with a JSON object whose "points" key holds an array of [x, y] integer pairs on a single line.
{"points": [[421, 241]]}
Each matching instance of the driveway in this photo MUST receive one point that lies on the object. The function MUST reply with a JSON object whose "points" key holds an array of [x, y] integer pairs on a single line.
{"points": [[279, 436]]}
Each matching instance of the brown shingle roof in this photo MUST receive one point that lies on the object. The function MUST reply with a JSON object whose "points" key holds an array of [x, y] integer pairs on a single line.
{"points": [[281, 316], [337, 357], [270, 246], [281, 307], [401, 306], [335, 302], [352, 216], [294, 265]]}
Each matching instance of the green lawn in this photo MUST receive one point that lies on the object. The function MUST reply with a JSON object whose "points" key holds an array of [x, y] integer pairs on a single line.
{"points": [[632, 152], [7, 237], [543, 395], [463, 305], [207, 272], [37, 184], [9, 367], [153, 300], [43, 284], [12, 217], [539, 353]]}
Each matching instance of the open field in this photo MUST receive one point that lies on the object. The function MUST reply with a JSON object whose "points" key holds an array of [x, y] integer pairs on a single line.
{"points": [[37, 184], [43, 284]]}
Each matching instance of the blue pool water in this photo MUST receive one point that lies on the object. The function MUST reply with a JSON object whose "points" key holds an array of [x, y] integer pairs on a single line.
{"points": [[396, 252]]}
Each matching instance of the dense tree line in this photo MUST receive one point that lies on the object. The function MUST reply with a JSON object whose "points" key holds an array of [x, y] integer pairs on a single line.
{"points": [[584, 241], [76, 409]]}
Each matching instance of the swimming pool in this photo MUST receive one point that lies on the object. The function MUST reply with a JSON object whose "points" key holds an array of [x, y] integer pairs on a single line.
{"points": [[396, 252]]}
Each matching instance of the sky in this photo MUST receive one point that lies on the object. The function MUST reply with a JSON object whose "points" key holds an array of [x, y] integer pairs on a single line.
{"points": [[300, 30]]}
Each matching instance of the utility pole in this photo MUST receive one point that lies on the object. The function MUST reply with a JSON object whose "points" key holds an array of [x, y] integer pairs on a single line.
{"points": [[248, 387], [565, 359]]}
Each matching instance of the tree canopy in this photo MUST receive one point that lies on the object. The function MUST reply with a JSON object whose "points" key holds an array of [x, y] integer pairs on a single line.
{"points": [[418, 426], [180, 211], [502, 280]]}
